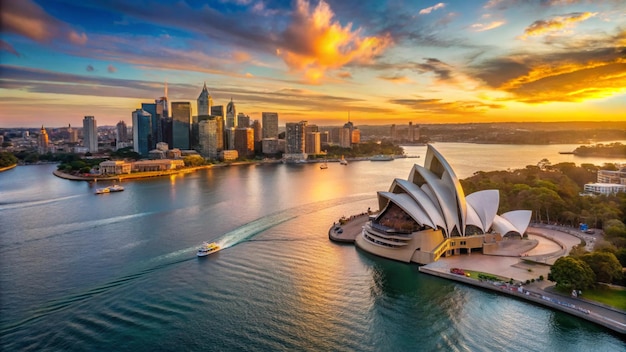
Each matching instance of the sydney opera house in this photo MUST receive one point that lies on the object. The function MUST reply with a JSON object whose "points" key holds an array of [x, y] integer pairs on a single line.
{"points": [[428, 216]]}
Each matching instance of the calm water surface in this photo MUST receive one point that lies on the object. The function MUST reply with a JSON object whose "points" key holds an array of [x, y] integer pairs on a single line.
{"points": [[119, 271]]}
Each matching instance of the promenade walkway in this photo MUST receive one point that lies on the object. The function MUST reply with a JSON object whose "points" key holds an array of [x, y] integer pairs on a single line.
{"points": [[527, 260]]}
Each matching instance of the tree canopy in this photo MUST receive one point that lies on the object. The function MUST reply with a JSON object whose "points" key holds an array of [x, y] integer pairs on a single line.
{"points": [[572, 274]]}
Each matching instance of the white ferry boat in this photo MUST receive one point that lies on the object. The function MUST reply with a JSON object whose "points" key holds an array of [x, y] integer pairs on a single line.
{"points": [[110, 189], [208, 248]]}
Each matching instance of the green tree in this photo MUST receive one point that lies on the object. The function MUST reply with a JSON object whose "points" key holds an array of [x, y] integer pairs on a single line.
{"points": [[605, 266], [194, 160], [7, 159], [571, 273]]}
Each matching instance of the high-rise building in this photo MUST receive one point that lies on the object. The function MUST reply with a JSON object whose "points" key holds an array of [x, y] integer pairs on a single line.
{"points": [[208, 137], [411, 133], [244, 142], [231, 113], [393, 133], [356, 136], [294, 136], [181, 125], [72, 133], [270, 124], [42, 141], [90, 134], [121, 132], [155, 124], [205, 102], [312, 128], [312, 143], [258, 135], [142, 130], [217, 110], [243, 120], [229, 138]]}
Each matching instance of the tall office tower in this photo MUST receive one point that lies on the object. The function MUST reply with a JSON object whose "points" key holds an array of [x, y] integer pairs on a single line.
{"points": [[155, 123], [393, 133], [229, 138], [244, 142], [231, 113], [142, 132], [269, 121], [73, 134], [90, 134], [313, 143], [411, 133], [416, 133], [42, 141], [208, 137], [181, 124], [312, 128], [205, 102], [258, 135], [294, 136], [243, 120], [121, 132], [163, 128], [219, 122], [345, 135], [355, 138]]}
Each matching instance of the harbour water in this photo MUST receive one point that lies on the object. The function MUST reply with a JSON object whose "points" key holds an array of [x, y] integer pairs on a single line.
{"points": [[119, 272]]}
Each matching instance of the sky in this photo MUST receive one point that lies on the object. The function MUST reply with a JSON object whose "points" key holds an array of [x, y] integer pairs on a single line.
{"points": [[373, 62]]}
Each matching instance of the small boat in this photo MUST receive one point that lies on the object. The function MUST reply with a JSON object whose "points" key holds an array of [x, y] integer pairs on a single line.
{"points": [[381, 157], [208, 248], [324, 166], [110, 189], [343, 161]]}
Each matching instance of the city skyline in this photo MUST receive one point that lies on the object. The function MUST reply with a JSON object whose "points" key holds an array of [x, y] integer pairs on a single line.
{"points": [[378, 62]]}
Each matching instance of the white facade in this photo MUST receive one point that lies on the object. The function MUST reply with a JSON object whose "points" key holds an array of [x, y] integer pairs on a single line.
{"points": [[604, 188], [90, 134]]}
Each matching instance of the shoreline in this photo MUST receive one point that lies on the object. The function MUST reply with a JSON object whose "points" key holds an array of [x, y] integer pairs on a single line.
{"points": [[7, 168], [538, 292]]}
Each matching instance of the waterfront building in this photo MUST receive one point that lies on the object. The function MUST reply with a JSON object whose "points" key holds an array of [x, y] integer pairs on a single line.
{"points": [[90, 134], [244, 142], [313, 143], [231, 113], [428, 216], [272, 146], [229, 155], [270, 124], [162, 146], [295, 141], [208, 138], [157, 165], [181, 124], [142, 132], [42, 141], [204, 102], [115, 167]]}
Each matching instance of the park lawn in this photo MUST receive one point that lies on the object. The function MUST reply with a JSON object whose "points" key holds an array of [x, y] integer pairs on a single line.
{"points": [[474, 275], [606, 295]]}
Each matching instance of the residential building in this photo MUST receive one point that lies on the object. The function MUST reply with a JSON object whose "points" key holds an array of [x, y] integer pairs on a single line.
{"points": [[244, 142], [313, 143], [295, 141], [121, 132], [209, 135]]}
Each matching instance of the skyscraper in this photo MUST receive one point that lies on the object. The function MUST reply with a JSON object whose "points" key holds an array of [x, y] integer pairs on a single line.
{"points": [[181, 124], [313, 143], [163, 127], [208, 137], [231, 113], [244, 142], [42, 141], [294, 136], [142, 129], [121, 132], [243, 120], [270, 124], [205, 102], [90, 134]]}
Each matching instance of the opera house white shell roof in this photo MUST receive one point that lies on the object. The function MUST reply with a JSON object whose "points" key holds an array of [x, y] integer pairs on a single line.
{"points": [[433, 197]]}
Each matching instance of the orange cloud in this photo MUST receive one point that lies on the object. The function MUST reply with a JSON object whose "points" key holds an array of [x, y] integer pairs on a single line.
{"points": [[396, 79], [480, 27], [314, 43], [557, 23]]}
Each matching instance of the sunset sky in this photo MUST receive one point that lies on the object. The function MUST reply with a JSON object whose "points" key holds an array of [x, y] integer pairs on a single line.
{"points": [[378, 62]]}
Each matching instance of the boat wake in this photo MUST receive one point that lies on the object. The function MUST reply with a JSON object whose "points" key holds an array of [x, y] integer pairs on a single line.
{"points": [[33, 203]]}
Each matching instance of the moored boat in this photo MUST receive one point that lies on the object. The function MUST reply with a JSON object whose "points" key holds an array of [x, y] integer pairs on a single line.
{"points": [[208, 248], [343, 161], [381, 157]]}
